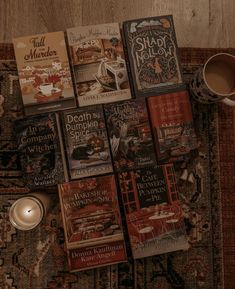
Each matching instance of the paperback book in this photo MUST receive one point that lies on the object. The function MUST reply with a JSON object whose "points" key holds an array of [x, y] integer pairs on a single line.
{"points": [[172, 124], [44, 73], [129, 134], [152, 52], [153, 212], [99, 64], [86, 142], [39, 146], [92, 223]]}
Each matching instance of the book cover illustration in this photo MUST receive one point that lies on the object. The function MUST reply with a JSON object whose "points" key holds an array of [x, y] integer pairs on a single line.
{"points": [[92, 224], [153, 212], [152, 52], [172, 124], [40, 151], [11, 108], [130, 134], [86, 141], [99, 64], [44, 73]]}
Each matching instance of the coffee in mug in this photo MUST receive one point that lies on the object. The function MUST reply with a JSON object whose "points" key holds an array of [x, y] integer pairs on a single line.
{"points": [[215, 81]]}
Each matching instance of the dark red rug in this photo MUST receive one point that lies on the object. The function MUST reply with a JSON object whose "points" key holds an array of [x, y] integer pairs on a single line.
{"points": [[36, 259]]}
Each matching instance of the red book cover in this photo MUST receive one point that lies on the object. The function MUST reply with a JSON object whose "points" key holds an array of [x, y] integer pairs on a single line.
{"points": [[153, 212], [172, 124], [91, 219]]}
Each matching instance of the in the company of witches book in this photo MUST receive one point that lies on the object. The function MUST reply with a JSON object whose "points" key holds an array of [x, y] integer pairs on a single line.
{"points": [[130, 134], [152, 53], [172, 124], [92, 223], [86, 142], [39, 146], [44, 73], [153, 212], [99, 64]]}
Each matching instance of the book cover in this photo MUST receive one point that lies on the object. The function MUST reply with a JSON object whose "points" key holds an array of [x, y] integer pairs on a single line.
{"points": [[172, 124], [153, 55], [86, 142], [130, 134], [153, 212], [11, 108], [44, 73], [92, 223], [99, 64], [39, 146]]}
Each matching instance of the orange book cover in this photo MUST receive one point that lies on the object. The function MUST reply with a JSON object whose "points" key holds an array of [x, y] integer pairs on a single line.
{"points": [[172, 125], [91, 219], [44, 72]]}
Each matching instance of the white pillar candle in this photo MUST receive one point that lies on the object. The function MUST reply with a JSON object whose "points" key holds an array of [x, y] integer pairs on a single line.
{"points": [[27, 212]]}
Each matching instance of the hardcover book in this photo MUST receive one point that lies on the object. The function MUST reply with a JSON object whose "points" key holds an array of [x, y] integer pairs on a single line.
{"points": [[86, 142], [39, 146], [153, 212], [44, 73], [98, 62], [172, 125], [130, 134], [92, 223], [153, 57]]}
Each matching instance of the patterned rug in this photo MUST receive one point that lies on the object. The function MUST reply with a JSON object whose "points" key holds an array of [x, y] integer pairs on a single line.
{"points": [[36, 259]]}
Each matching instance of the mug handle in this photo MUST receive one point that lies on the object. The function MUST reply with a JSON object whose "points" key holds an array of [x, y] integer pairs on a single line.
{"points": [[228, 101]]}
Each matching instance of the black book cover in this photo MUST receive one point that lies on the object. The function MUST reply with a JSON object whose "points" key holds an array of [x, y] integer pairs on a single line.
{"points": [[153, 55]]}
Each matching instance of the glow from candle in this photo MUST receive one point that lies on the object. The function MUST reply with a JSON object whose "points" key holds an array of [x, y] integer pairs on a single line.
{"points": [[26, 213]]}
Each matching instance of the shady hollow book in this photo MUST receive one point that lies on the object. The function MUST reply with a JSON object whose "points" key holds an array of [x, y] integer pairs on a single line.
{"points": [[39, 146], [92, 223], [152, 52]]}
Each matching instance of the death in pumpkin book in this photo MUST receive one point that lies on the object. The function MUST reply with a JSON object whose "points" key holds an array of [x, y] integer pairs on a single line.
{"points": [[92, 223], [44, 73], [39, 146], [153, 212], [153, 55], [86, 142], [98, 62]]}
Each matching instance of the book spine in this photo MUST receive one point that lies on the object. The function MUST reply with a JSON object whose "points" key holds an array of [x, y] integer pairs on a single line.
{"points": [[62, 148]]}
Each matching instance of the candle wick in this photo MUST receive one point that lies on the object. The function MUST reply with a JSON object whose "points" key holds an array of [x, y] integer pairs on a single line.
{"points": [[29, 211]]}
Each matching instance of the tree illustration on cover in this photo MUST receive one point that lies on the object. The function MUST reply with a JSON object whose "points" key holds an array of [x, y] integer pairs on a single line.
{"points": [[153, 48]]}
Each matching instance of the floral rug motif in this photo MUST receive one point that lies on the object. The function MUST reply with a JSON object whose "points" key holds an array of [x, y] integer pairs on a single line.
{"points": [[37, 259]]}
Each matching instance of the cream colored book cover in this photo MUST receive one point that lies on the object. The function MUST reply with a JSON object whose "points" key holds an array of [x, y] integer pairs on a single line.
{"points": [[44, 72], [99, 64]]}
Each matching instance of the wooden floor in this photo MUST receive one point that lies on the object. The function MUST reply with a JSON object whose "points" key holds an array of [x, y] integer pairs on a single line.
{"points": [[198, 23]]}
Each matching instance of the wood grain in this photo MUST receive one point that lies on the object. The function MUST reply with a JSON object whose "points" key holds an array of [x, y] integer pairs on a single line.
{"points": [[201, 23]]}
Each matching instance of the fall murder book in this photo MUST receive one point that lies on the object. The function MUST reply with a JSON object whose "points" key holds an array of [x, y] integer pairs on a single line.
{"points": [[44, 73], [92, 224], [152, 53]]}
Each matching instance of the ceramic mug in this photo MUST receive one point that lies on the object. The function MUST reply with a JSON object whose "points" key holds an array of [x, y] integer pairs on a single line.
{"points": [[215, 81]]}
